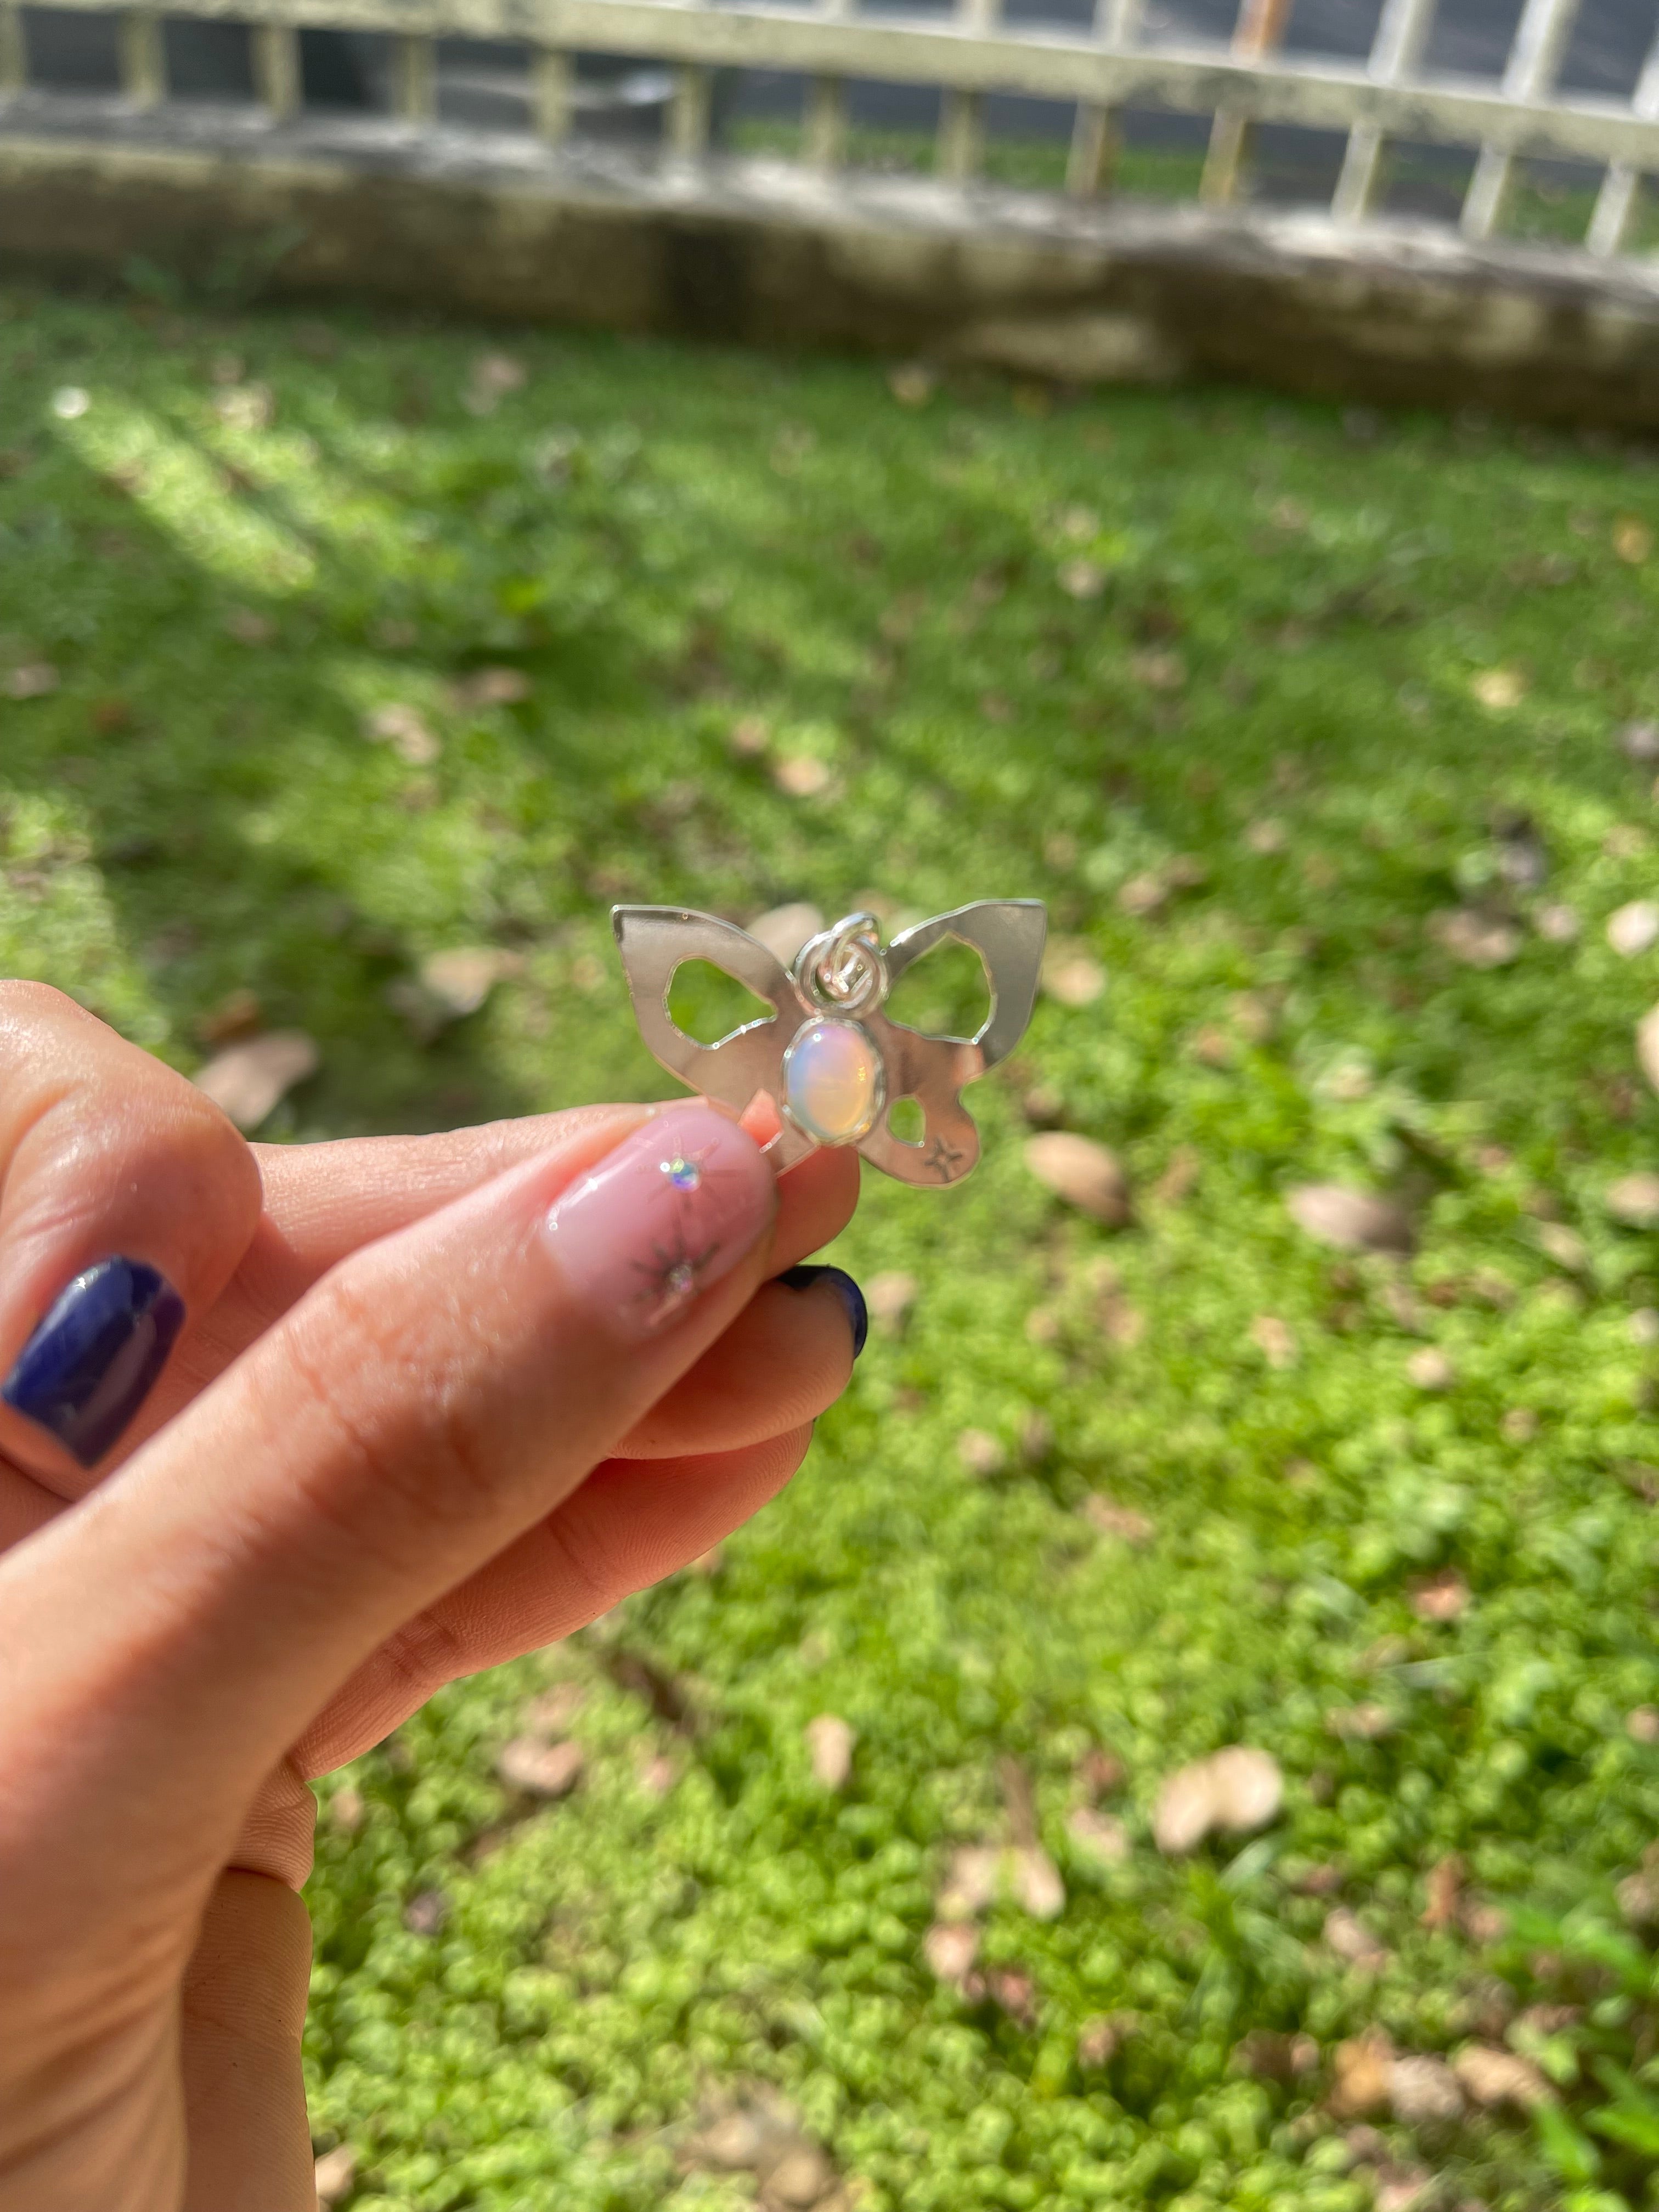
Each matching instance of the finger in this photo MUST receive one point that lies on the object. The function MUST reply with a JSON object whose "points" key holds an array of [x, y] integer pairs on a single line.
{"points": [[322, 1202], [630, 1523], [126, 1200], [785, 1358], [432, 1399]]}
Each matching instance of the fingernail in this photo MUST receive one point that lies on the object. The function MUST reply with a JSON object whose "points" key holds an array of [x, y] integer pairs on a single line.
{"points": [[858, 1314], [91, 1363], [663, 1217]]}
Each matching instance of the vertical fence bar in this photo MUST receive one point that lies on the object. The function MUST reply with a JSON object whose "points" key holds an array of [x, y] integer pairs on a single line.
{"points": [[823, 131], [1615, 204], [414, 77], [1093, 157], [1261, 26], [961, 121], [552, 83], [14, 53], [276, 68], [688, 113], [1401, 35], [1539, 37], [143, 60]]}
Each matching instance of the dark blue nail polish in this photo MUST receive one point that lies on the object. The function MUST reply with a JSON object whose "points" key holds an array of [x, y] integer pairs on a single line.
{"points": [[858, 1314], [90, 1365]]}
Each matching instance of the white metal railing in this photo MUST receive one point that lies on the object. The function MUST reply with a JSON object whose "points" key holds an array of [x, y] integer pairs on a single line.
{"points": [[971, 53]]}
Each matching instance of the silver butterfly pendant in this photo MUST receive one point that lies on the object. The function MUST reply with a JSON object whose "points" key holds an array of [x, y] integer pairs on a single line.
{"points": [[828, 1057]]}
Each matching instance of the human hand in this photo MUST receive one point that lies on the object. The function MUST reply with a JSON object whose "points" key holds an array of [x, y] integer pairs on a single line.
{"points": [[409, 1429]]}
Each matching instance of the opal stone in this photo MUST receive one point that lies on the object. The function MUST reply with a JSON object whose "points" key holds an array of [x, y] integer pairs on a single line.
{"points": [[832, 1078]]}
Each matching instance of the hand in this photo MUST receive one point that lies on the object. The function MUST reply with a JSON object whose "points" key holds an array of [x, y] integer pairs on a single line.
{"points": [[435, 1401]]}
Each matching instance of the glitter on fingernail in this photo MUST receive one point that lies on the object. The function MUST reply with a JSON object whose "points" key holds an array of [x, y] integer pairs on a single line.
{"points": [[683, 1174]]}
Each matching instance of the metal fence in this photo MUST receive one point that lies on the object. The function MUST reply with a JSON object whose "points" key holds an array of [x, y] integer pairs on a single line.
{"points": [[1099, 72]]}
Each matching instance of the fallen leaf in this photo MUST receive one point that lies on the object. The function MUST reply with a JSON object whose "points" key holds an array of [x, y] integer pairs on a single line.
{"points": [[1362, 2066], [69, 402], [1639, 741], [1158, 669], [1016, 1993], [427, 1913], [406, 730], [247, 1080], [1099, 1834], [1478, 940], [1632, 539], [249, 627], [1120, 1521], [802, 775], [1430, 1369], [1269, 2057], [749, 737], [491, 687], [1144, 894], [1641, 1724], [335, 2172], [1083, 1173], [980, 1453], [1558, 924], [1491, 2076], [1353, 1941], [1266, 836], [346, 1810], [1074, 979], [1081, 580], [34, 679], [246, 407], [1035, 1882], [1442, 1597], [238, 1014], [1361, 1723], [1647, 1045], [1565, 1246], [971, 1880], [1632, 928], [1352, 1220], [784, 929], [541, 1769], [1100, 1773], [951, 1948], [913, 384], [1100, 2039], [1634, 1200], [890, 1297], [801, 2177], [1445, 1892], [1274, 1340], [1239, 1790], [1423, 2089], [461, 979], [1179, 1176], [1499, 689], [491, 377], [829, 1741]]}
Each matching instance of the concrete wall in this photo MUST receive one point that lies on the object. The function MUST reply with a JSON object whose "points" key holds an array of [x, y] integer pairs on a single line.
{"points": [[766, 254]]}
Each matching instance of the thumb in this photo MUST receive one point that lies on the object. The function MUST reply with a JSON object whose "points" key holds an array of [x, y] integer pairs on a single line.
{"points": [[429, 1400]]}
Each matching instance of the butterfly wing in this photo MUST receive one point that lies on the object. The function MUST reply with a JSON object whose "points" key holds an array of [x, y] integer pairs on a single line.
{"points": [[654, 941], [1008, 934]]}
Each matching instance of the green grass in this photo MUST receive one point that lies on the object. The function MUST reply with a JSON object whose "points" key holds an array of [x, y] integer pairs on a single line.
{"points": [[1278, 675]]}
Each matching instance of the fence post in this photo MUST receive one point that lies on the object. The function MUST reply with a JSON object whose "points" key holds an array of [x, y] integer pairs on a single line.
{"points": [[14, 55], [688, 115], [553, 80], [143, 59], [1093, 157], [276, 68], [1401, 35], [823, 133], [1536, 56], [414, 77], [1615, 204], [961, 126], [1261, 26]]}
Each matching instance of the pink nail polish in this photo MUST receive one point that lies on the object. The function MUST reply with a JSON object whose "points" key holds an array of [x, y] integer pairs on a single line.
{"points": [[663, 1217]]}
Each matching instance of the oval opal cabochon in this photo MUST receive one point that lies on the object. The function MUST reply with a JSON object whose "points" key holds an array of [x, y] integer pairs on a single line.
{"points": [[834, 1085]]}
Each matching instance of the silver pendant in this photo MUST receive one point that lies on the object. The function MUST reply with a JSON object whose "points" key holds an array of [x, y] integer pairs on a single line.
{"points": [[828, 1057]]}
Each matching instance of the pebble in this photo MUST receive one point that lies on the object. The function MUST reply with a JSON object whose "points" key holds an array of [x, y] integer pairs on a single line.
{"points": [[1237, 1789], [1352, 1220]]}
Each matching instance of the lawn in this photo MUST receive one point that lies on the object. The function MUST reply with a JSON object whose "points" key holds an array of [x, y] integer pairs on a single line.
{"points": [[1295, 717]]}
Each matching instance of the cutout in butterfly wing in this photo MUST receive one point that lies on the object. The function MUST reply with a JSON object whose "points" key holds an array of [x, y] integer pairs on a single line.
{"points": [[656, 940], [1009, 935]]}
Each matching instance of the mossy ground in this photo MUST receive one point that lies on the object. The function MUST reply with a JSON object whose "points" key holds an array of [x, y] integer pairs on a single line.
{"points": [[1294, 619]]}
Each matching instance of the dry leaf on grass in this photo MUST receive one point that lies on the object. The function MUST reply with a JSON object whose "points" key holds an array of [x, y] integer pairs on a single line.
{"points": [[951, 1947], [1099, 1834], [1274, 1340], [1362, 2066], [1353, 1941], [913, 384], [1441, 1597], [1498, 689], [1478, 940], [1121, 1521], [890, 1297], [490, 687], [461, 979], [1267, 2056], [1352, 1220], [1235, 1790], [802, 775], [980, 1453], [1565, 1246], [336, 2171], [1557, 923], [406, 730], [1073, 978], [1491, 2076], [829, 1741], [32, 680], [1632, 539], [1430, 1369], [1081, 580], [1634, 1200], [1633, 928], [1422, 2090], [784, 929], [247, 1081], [1083, 1173], [541, 1769]]}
